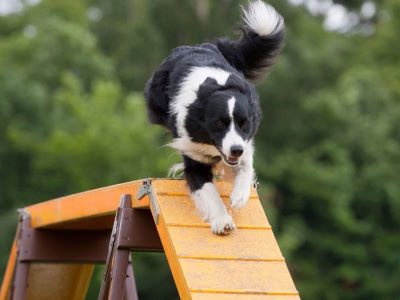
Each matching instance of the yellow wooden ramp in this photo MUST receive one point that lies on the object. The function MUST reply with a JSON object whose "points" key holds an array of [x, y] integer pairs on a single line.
{"points": [[246, 264]]}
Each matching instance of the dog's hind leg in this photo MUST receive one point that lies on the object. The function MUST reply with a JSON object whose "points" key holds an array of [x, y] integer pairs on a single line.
{"points": [[205, 195]]}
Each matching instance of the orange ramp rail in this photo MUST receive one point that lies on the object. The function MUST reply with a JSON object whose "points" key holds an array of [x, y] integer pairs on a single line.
{"points": [[246, 264]]}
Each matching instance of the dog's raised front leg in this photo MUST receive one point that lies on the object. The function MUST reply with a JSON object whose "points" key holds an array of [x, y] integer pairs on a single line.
{"points": [[243, 180], [207, 200]]}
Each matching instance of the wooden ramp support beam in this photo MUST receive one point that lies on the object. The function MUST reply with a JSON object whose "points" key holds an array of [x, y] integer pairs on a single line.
{"points": [[128, 234], [43, 254], [21, 267], [62, 239]]}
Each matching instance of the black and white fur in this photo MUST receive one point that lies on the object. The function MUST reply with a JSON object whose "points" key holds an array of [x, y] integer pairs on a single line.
{"points": [[202, 95]]}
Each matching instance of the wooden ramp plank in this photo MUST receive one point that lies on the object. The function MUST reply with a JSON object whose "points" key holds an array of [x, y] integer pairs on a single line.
{"points": [[179, 187], [59, 281], [221, 296], [243, 244], [235, 276], [173, 259], [179, 210], [89, 204]]}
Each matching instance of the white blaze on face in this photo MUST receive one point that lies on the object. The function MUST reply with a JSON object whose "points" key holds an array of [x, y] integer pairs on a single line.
{"points": [[232, 137]]}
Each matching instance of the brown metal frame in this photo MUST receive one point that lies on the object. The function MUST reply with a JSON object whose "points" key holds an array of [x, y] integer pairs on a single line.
{"points": [[20, 282], [133, 230]]}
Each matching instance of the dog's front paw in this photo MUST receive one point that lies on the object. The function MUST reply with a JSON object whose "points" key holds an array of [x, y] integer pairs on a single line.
{"points": [[239, 196], [222, 225]]}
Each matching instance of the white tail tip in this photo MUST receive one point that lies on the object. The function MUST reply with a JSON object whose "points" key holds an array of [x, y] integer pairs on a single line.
{"points": [[262, 18]]}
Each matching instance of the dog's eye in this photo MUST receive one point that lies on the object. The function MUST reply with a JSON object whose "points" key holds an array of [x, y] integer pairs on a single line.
{"points": [[242, 124], [220, 124]]}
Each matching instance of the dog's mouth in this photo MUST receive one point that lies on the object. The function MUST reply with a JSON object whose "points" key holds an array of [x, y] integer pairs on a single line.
{"points": [[232, 161]]}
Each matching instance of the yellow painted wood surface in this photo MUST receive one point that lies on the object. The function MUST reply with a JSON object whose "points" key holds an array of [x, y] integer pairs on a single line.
{"points": [[9, 272], [237, 276], [175, 187], [81, 206], [244, 265], [241, 245], [58, 281], [180, 211], [224, 296]]}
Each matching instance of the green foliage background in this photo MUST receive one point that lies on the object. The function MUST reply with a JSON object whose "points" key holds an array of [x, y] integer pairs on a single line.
{"points": [[72, 118]]}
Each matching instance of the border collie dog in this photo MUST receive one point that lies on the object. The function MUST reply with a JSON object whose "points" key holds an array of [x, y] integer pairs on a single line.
{"points": [[203, 94]]}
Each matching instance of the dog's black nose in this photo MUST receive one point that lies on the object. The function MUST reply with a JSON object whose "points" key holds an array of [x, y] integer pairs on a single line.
{"points": [[236, 150]]}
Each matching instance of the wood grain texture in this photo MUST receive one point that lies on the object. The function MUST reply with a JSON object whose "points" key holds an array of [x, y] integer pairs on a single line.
{"points": [[59, 281], [222, 296], [180, 211]]}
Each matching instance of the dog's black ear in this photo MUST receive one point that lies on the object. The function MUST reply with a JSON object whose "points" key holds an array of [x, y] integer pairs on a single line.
{"points": [[209, 86], [235, 82]]}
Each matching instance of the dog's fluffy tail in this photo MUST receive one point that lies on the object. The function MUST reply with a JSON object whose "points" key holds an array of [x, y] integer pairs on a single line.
{"points": [[260, 43]]}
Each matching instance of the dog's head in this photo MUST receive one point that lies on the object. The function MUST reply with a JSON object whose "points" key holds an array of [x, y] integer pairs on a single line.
{"points": [[225, 116]]}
